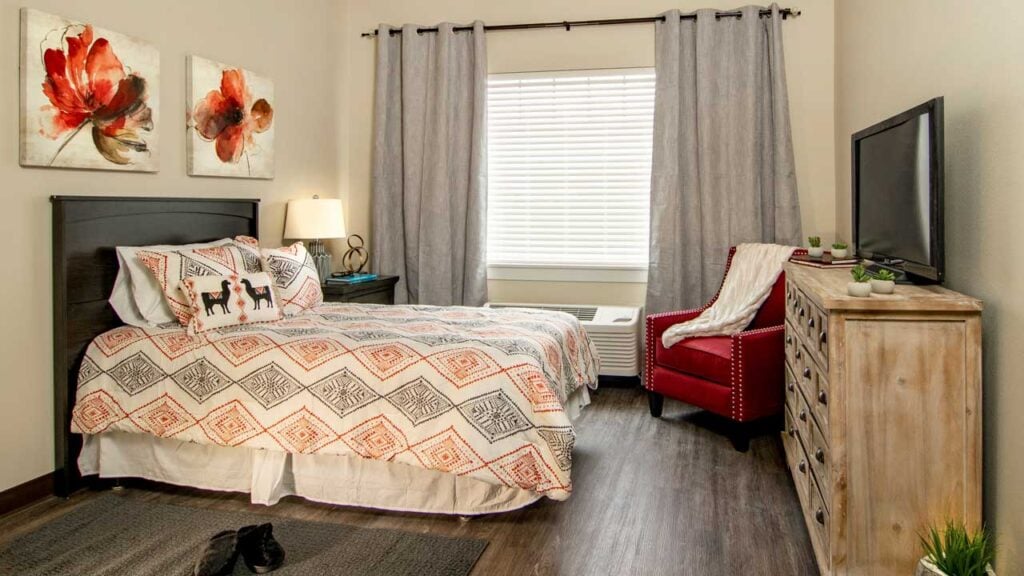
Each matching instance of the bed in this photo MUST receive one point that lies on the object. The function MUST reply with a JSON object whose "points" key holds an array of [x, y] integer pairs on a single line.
{"points": [[414, 408]]}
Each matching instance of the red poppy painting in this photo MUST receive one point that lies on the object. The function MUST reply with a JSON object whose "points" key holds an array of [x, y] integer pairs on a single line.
{"points": [[89, 96], [230, 121]]}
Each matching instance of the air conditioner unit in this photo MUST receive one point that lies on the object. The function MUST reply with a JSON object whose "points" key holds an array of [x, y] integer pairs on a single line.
{"points": [[615, 330]]}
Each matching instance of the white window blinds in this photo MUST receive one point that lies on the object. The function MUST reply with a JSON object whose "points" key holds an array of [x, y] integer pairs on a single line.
{"points": [[569, 168]]}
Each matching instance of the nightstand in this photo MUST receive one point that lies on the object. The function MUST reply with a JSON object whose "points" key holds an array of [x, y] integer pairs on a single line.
{"points": [[379, 291]]}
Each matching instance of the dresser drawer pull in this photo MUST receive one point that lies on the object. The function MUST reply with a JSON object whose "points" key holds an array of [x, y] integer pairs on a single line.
{"points": [[801, 312], [792, 432], [822, 397], [789, 386], [819, 515], [789, 339], [819, 455], [802, 415], [822, 337], [802, 467], [799, 355], [810, 323], [807, 371]]}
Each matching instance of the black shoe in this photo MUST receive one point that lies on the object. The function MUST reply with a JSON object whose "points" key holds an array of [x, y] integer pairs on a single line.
{"points": [[260, 551], [219, 556]]}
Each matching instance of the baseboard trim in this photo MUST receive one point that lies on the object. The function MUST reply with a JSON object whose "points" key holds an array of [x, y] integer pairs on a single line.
{"points": [[26, 493]]}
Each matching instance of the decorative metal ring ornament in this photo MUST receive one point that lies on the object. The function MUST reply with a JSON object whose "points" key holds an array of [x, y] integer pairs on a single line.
{"points": [[356, 254]]}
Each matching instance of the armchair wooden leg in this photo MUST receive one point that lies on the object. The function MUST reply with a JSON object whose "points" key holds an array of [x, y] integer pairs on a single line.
{"points": [[656, 402], [740, 436]]}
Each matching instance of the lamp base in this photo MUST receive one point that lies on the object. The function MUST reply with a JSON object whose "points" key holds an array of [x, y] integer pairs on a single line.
{"points": [[321, 259]]}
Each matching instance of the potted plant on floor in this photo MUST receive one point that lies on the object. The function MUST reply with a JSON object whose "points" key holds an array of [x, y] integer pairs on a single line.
{"points": [[953, 551], [884, 282], [815, 250], [861, 285], [839, 250]]}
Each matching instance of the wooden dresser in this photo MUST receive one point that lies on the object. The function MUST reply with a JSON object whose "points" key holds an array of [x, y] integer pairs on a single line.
{"points": [[883, 417]]}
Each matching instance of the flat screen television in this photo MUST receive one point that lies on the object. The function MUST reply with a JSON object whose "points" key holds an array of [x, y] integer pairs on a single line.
{"points": [[897, 194]]}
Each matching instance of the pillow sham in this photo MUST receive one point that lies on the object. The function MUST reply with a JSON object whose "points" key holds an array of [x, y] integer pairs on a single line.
{"points": [[295, 277], [219, 301], [137, 297], [170, 267]]}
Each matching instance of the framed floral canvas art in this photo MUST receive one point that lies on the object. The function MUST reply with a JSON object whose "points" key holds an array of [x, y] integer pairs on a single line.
{"points": [[230, 121], [89, 97]]}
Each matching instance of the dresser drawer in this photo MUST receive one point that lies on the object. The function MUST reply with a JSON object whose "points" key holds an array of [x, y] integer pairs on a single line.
{"points": [[792, 392], [816, 330], [818, 519], [813, 383], [802, 412], [809, 322], [818, 456], [800, 468], [792, 342]]}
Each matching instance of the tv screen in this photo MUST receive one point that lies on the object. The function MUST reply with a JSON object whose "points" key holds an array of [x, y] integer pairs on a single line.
{"points": [[897, 192]]}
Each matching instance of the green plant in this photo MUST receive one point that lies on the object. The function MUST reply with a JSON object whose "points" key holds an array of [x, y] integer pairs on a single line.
{"points": [[885, 276], [839, 245], [860, 274], [814, 241], [957, 552]]}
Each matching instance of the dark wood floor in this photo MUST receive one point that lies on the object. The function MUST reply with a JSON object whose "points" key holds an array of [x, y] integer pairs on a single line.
{"points": [[651, 497]]}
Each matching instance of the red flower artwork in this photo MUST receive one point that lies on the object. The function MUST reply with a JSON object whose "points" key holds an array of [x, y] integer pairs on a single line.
{"points": [[227, 118], [87, 85]]}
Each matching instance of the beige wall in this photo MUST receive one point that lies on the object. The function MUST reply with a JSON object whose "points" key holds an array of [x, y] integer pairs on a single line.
{"points": [[298, 49], [893, 55], [809, 62]]}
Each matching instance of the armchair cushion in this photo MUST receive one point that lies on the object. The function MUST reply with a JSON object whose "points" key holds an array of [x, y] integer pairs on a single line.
{"points": [[708, 358]]}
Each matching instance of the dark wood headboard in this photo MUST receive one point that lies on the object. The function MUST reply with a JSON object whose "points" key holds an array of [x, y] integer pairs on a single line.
{"points": [[86, 231]]}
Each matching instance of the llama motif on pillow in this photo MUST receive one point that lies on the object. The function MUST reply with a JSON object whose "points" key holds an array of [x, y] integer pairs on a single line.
{"points": [[219, 301]]}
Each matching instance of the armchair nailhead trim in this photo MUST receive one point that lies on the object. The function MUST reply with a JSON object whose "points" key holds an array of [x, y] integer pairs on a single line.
{"points": [[736, 398]]}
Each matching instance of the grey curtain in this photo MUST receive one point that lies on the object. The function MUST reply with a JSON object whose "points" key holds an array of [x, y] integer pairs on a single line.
{"points": [[430, 164], [723, 170]]}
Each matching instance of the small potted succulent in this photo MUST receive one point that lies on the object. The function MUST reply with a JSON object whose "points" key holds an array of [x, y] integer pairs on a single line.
{"points": [[815, 250], [884, 282], [861, 285], [839, 250], [953, 551]]}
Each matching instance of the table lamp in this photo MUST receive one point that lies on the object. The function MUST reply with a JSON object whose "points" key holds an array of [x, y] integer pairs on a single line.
{"points": [[316, 219]]}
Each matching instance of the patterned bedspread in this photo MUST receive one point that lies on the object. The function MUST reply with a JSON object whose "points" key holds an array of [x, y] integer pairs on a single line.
{"points": [[468, 391]]}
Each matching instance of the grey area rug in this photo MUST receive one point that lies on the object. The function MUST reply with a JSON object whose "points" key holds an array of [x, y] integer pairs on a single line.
{"points": [[114, 535]]}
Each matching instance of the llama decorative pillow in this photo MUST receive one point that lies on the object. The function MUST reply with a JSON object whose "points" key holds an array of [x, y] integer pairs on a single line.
{"points": [[295, 277], [219, 301], [170, 267]]}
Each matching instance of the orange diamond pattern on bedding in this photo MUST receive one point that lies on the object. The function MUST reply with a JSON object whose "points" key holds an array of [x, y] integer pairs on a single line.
{"points": [[466, 391]]}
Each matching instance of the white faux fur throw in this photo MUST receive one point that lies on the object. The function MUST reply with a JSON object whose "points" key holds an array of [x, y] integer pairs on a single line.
{"points": [[754, 270]]}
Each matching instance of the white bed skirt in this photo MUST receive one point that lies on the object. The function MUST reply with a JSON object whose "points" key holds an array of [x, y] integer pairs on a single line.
{"points": [[269, 476]]}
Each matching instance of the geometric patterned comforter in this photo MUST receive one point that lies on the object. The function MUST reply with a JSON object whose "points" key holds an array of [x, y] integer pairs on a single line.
{"points": [[469, 391]]}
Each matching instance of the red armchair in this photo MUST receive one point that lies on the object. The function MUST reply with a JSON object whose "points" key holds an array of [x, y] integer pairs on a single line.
{"points": [[739, 377]]}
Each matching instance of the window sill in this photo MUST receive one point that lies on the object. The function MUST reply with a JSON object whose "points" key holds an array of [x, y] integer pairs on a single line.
{"points": [[563, 274]]}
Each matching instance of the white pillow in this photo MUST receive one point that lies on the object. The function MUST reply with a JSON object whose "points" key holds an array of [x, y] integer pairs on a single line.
{"points": [[137, 297]]}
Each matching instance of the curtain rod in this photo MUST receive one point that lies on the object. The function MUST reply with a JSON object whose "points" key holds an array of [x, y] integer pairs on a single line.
{"points": [[568, 25]]}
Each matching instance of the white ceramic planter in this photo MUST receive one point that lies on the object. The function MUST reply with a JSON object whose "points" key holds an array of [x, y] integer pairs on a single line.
{"points": [[859, 289], [839, 253], [883, 286], [926, 568], [815, 252]]}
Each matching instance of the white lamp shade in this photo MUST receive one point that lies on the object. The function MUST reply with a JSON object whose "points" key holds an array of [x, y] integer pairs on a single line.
{"points": [[315, 219]]}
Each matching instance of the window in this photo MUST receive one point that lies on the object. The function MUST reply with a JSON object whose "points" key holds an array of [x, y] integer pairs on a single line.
{"points": [[569, 174]]}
